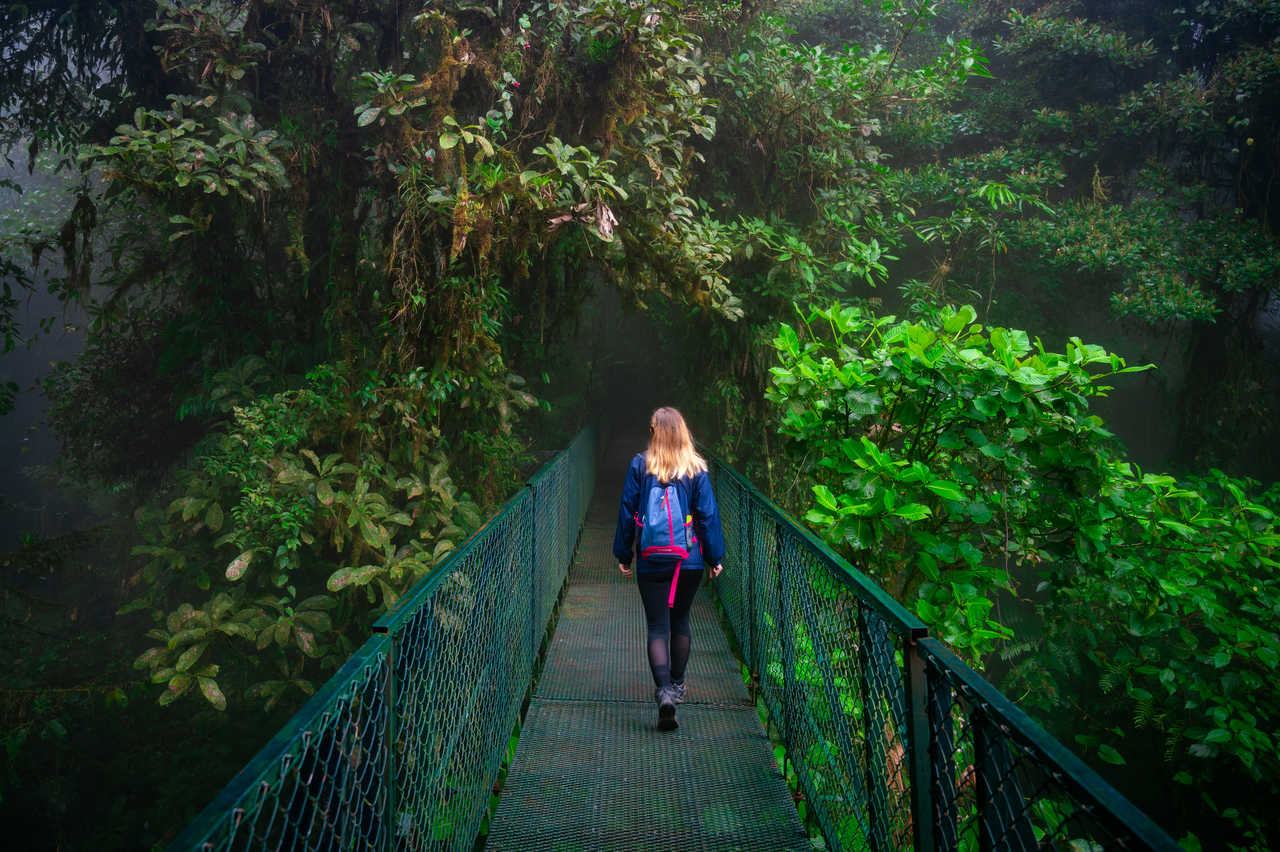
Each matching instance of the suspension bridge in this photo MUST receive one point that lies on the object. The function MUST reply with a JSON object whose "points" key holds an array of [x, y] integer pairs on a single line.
{"points": [[820, 713]]}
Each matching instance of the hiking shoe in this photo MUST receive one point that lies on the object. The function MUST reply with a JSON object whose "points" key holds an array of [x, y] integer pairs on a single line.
{"points": [[678, 691], [665, 696]]}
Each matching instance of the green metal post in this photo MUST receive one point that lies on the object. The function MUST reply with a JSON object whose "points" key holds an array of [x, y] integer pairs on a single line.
{"points": [[918, 741]]}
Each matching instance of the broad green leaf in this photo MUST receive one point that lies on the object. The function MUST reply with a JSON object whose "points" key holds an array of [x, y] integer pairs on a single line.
{"points": [[946, 490], [237, 566], [1110, 755], [148, 657], [1178, 527], [190, 656], [212, 693], [913, 511]]}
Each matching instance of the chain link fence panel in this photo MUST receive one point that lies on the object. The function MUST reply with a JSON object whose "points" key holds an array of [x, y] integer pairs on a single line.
{"points": [[401, 748], [894, 742]]}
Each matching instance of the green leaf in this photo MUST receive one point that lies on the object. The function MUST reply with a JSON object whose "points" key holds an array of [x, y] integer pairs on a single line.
{"points": [[1218, 735], [374, 534], [986, 406], [368, 116], [787, 341], [817, 518], [190, 656], [1178, 527], [237, 566], [980, 513], [344, 577], [339, 580], [448, 140], [913, 511], [946, 490], [957, 321], [306, 640], [1110, 755], [212, 693], [826, 499]]}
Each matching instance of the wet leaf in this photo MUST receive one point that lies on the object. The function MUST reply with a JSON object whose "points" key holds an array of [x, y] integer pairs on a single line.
{"points": [[946, 490], [190, 656], [212, 693], [1110, 755], [237, 566]]}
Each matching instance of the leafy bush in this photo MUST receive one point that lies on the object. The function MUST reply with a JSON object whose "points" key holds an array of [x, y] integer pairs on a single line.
{"points": [[306, 519], [960, 464]]}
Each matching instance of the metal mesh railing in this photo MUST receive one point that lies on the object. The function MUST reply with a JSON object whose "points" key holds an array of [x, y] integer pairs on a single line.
{"points": [[400, 749], [895, 743]]}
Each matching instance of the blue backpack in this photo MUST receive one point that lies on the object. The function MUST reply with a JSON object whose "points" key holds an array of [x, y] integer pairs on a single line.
{"points": [[666, 529]]}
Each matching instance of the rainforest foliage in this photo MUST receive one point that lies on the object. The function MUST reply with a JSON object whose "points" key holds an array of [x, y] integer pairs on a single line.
{"points": [[336, 256]]}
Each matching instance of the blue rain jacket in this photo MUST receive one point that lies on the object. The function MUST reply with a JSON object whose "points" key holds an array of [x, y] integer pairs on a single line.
{"points": [[706, 520]]}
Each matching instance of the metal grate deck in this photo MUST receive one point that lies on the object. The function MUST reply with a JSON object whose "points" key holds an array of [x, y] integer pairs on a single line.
{"points": [[592, 770]]}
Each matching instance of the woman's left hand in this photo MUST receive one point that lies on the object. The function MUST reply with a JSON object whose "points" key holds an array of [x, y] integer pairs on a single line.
{"points": [[625, 569]]}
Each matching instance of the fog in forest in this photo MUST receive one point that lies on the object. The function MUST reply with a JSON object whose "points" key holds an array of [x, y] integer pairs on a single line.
{"points": [[297, 298]]}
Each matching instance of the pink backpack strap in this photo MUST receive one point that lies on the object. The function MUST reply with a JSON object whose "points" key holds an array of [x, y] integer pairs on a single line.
{"points": [[675, 578]]}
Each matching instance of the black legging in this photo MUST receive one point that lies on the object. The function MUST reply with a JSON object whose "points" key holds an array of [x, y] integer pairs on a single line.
{"points": [[669, 635]]}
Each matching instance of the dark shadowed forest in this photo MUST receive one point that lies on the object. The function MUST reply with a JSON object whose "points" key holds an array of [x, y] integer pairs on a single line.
{"points": [[296, 292]]}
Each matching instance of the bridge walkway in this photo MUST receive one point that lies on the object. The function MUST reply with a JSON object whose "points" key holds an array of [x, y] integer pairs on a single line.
{"points": [[592, 770]]}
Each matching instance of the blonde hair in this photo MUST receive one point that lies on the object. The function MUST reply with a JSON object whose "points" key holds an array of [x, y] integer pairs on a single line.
{"points": [[671, 454]]}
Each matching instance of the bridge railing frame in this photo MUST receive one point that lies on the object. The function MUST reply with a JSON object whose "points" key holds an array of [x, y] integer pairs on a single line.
{"points": [[401, 747], [895, 742]]}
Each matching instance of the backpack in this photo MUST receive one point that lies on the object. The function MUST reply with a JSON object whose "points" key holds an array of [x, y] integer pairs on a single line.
{"points": [[666, 529]]}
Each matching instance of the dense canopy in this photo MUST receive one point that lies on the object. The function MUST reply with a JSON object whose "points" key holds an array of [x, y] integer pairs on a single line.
{"points": [[349, 268]]}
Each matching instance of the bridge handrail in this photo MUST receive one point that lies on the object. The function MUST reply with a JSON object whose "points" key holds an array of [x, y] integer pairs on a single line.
{"points": [[895, 742], [401, 747]]}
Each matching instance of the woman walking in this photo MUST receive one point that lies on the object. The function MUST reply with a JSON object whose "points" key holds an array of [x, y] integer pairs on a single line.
{"points": [[668, 505]]}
